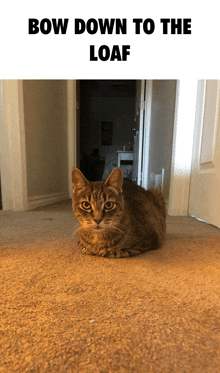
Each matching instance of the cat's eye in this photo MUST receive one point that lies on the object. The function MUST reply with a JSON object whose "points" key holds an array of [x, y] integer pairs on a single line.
{"points": [[86, 205], [109, 205]]}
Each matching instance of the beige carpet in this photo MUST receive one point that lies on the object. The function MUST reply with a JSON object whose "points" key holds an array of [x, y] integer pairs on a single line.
{"points": [[61, 311]]}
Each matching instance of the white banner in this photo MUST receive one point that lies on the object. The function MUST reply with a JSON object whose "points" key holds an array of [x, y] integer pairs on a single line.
{"points": [[116, 39]]}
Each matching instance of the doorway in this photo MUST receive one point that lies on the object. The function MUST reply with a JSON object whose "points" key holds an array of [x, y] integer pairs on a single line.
{"points": [[107, 117], [160, 100]]}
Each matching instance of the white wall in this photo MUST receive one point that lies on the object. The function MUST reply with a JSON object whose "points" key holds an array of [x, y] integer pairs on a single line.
{"points": [[45, 115], [12, 146]]}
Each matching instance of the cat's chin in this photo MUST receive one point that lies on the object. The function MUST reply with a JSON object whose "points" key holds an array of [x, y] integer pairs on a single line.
{"points": [[98, 229], [93, 228]]}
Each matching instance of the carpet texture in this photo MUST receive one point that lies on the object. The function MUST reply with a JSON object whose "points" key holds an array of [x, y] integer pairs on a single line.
{"points": [[62, 311]]}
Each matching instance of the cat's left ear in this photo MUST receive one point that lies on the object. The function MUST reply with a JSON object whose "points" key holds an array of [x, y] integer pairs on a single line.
{"points": [[78, 180], [115, 179]]}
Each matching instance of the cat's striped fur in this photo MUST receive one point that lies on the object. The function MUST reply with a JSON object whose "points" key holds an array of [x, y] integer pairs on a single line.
{"points": [[117, 220]]}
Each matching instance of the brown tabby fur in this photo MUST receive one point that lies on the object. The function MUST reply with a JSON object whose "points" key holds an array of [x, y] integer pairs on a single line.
{"points": [[136, 223]]}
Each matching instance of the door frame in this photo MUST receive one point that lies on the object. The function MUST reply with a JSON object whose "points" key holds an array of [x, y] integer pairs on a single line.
{"points": [[141, 132], [71, 131], [146, 138], [181, 160]]}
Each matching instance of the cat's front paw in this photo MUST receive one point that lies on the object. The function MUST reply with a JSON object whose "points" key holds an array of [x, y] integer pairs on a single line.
{"points": [[85, 251], [117, 254], [82, 247]]}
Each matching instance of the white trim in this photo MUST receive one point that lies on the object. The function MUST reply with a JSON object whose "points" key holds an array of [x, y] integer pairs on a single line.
{"points": [[46, 199], [141, 126], [199, 118], [71, 130], [211, 115], [184, 123], [147, 125], [13, 152]]}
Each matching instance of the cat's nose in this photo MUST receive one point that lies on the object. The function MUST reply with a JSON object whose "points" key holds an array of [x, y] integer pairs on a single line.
{"points": [[97, 221]]}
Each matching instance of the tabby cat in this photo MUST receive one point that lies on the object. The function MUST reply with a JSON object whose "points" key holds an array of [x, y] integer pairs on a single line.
{"points": [[115, 220]]}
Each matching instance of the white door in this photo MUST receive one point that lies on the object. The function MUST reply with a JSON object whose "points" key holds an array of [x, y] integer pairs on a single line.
{"points": [[204, 198]]}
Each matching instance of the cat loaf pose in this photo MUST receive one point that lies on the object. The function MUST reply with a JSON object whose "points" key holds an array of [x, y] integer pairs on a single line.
{"points": [[117, 220]]}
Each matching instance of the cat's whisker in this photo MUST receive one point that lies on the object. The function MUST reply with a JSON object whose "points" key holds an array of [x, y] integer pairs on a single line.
{"points": [[118, 225], [116, 229]]}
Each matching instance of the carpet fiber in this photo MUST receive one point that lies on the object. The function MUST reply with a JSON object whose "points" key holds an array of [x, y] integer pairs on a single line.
{"points": [[62, 311]]}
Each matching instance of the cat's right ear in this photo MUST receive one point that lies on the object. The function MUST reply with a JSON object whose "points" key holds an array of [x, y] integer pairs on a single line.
{"points": [[115, 179], [78, 180]]}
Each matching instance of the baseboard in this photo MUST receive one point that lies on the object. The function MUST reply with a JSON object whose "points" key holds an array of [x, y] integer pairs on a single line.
{"points": [[46, 199]]}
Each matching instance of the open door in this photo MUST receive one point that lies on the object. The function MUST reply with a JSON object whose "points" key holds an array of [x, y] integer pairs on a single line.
{"points": [[204, 198]]}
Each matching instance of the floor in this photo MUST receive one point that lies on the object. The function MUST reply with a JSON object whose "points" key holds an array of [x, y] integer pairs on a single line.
{"points": [[62, 311]]}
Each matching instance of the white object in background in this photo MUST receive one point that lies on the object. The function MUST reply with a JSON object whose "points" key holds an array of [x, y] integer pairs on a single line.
{"points": [[125, 156]]}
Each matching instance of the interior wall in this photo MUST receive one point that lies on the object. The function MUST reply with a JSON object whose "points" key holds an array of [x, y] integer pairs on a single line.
{"points": [[45, 114], [161, 132], [12, 146]]}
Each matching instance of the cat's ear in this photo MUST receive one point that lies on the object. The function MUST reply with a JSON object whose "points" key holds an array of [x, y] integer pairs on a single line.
{"points": [[115, 179], [78, 180]]}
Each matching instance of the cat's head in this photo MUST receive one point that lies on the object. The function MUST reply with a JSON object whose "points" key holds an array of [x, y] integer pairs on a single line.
{"points": [[98, 205]]}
